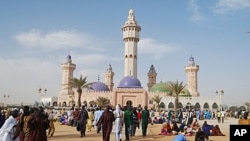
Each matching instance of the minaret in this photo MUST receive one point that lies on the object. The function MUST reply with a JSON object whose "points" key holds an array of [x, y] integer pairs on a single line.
{"points": [[68, 68], [109, 77], [192, 81], [151, 77], [131, 37]]}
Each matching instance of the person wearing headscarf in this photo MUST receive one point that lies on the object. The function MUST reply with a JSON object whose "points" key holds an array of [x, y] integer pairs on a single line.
{"points": [[106, 122], [22, 127], [118, 113], [8, 129]]}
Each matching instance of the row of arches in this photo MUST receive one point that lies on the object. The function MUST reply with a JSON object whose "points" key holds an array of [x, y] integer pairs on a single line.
{"points": [[196, 106]]}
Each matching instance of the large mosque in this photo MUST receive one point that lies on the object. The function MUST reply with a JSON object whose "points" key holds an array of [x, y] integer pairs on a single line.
{"points": [[129, 90]]}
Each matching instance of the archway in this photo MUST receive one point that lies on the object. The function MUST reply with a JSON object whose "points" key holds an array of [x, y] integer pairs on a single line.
{"points": [[129, 103], [179, 106], [54, 103], [64, 104], [162, 105], [215, 106], [206, 106], [197, 106], [171, 105]]}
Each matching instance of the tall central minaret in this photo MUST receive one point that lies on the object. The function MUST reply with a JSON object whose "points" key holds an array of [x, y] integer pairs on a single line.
{"points": [[192, 80], [131, 38]]}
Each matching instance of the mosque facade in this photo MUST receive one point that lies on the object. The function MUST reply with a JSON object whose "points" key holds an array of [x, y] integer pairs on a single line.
{"points": [[129, 91]]}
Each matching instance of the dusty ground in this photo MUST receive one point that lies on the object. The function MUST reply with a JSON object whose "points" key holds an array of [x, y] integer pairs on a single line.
{"points": [[68, 133]]}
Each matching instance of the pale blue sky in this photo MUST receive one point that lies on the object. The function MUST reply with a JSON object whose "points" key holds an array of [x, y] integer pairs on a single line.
{"points": [[36, 37]]}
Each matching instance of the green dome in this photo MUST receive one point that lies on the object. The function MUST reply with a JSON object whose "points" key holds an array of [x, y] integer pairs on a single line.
{"points": [[185, 93], [160, 87]]}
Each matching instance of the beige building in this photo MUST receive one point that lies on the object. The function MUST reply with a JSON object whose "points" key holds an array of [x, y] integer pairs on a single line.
{"points": [[129, 90]]}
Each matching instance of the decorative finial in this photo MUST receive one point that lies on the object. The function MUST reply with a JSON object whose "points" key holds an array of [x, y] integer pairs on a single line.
{"points": [[98, 78]]}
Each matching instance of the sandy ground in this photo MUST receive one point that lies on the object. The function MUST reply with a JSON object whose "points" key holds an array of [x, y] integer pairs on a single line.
{"points": [[68, 133]]}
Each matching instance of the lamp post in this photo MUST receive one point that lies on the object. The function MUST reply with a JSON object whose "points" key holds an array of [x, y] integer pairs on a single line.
{"points": [[5, 97], [220, 95], [42, 92]]}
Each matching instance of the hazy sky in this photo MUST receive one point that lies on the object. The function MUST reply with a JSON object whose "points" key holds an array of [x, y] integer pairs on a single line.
{"points": [[36, 37]]}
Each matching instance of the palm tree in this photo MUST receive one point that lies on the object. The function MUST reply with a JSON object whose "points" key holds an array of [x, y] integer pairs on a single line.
{"points": [[157, 100], [177, 88], [102, 101], [79, 84]]}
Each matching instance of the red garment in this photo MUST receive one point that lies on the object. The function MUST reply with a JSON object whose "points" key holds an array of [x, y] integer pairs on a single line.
{"points": [[106, 122], [38, 127], [139, 115]]}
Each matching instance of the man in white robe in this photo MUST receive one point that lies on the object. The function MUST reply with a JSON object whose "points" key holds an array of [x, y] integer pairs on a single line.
{"points": [[117, 128], [8, 129]]}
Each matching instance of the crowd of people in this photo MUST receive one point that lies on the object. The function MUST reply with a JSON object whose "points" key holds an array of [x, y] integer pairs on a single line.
{"points": [[37, 124], [29, 123]]}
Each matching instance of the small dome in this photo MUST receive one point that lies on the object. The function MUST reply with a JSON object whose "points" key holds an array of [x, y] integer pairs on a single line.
{"points": [[130, 82], [185, 93], [160, 87], [98, 86], [69, 57], [191, 58]]}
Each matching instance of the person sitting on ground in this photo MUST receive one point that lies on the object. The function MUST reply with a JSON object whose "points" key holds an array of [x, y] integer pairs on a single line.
{"points": [[200, 135], [206, 128], [244, 120], [195, 124], [155, 120], [188, 131], [175, 128], [216, 131], [166, 129]]}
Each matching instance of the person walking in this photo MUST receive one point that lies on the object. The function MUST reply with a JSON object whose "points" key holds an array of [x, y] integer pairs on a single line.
{"points": [[38, 124], [22, 127], [90, 120], [145, 118], [8, 128], [97, 114], [82, 120], [106, 121], [135, 121], [51, 124], [118, 113], [127, 121]]}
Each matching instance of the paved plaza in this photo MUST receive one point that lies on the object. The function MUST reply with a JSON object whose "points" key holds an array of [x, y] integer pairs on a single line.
{"points": [[68, 133]]}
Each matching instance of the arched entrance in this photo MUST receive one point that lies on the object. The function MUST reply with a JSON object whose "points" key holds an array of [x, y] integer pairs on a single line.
{"points": [[129, 103], [206, 106], [64, 104], [197, 106]]}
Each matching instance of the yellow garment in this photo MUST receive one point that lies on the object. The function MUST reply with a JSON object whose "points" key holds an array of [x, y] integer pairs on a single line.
{"points": [[244, 122], [90, 121]]}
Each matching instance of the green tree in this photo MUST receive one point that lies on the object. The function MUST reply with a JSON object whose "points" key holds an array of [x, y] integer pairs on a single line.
{"points": [[79, 84], [177, 88], [247, 104], [157, 100], [102, 101]]}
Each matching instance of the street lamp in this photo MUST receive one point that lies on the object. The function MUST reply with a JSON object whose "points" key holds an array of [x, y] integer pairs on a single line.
{"points": [[42, 92], [220, 95], [6, 97]]}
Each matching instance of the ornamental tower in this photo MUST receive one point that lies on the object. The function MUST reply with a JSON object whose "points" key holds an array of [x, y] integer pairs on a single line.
{"points": [[131, 38], [151, 77], [109, 77], [192, 82], [66, 90]]}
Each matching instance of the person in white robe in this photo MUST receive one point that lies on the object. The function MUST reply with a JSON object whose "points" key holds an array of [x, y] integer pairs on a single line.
{"points": [[117, 128], [8, 129]]}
